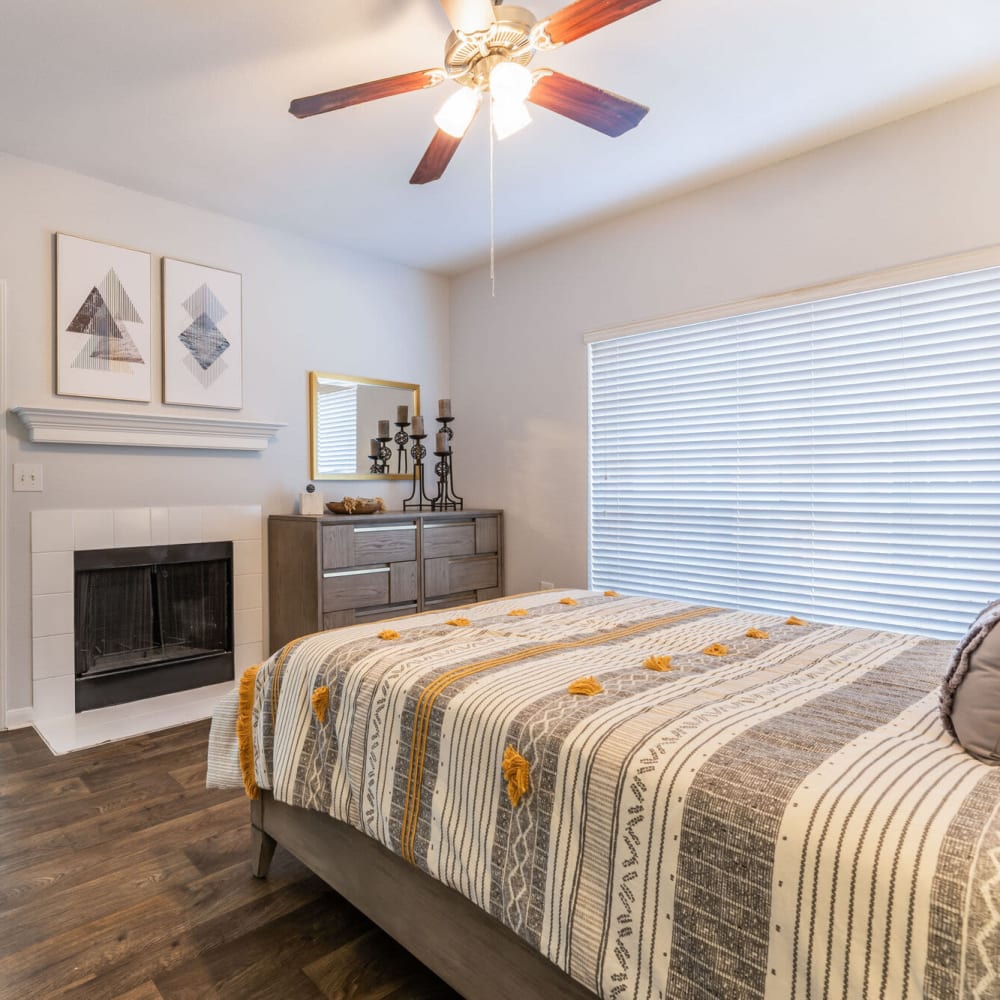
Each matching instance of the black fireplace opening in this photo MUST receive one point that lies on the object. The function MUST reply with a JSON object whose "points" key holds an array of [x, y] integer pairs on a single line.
{"points": [[151, 620]]}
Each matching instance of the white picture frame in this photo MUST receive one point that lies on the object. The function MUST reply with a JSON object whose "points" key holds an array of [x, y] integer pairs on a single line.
{"points": [[103, 313], [202, 335]]}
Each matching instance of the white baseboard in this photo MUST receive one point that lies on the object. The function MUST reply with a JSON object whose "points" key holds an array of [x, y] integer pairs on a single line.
{"points": [[18, 718]]}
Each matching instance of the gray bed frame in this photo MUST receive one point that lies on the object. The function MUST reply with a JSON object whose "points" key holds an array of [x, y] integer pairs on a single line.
{"points": [[466, 947]]}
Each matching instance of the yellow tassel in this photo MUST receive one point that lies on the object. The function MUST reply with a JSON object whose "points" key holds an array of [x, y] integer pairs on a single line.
{"points": [[388, 633], [757, 633], [792, 620], [612, 593], [585, 685], [515, 773], [458, 621], [518, 612], [244, 731], [659, 663], [567, 600], [320, 703], [716, 649]]}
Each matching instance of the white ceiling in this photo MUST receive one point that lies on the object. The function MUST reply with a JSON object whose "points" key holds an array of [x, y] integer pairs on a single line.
{"points": [[188, 99]]}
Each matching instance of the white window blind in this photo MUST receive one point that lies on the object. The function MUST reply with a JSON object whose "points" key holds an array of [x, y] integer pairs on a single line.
{"points": [[837, 459], [337, 430]]}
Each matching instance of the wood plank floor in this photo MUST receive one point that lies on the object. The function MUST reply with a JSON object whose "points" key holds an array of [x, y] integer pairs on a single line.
{"points": [[121, 876]]}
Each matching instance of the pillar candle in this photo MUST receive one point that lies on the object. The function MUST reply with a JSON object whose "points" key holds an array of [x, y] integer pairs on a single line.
{"points": [[444, 407], [374, 448], [417, 426], [383, 429], [442, 441], [402, 414]]}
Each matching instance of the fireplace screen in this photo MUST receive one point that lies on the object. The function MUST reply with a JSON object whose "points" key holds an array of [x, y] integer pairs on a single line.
{"points": [[138, 609]]}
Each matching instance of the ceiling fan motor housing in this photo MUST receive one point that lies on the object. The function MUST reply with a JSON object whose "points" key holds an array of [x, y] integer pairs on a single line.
{"points": [[469, 58]]}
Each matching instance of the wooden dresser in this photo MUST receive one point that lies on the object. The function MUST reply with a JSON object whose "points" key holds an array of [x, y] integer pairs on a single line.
{"points": [[325, 572]]}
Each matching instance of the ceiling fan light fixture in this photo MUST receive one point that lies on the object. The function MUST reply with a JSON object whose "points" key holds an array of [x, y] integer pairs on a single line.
{"points": [[456, 114], [509, 117], [487, 52], [510, 83]]}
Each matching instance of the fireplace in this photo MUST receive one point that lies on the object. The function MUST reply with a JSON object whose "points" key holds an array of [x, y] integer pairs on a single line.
{"points": [[151, 620]]}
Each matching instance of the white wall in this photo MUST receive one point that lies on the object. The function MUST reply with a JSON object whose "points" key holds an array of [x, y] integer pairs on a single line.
{"points": [[305, 306], [916, 189]]}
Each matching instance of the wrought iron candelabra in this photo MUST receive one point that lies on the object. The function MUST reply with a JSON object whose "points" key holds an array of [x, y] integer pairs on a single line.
{"points": [[418, 499], [383, 455], [401, 440], [446, 498]]}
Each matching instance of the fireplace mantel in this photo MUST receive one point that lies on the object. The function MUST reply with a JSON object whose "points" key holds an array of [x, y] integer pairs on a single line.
{"points": [[143, 430]]}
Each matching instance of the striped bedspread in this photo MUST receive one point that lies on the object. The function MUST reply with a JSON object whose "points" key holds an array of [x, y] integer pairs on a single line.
{"points": [[779, 814]]}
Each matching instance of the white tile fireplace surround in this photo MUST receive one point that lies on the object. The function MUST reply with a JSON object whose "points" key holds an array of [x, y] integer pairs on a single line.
{"points": [[55, 536]]}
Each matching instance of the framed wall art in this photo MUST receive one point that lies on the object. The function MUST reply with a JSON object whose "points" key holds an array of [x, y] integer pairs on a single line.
{"points": [[103, 307], [202, 335]]}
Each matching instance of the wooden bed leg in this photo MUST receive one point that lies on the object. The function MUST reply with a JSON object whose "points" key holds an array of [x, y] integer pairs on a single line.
{"points": [[262, 844], [262, 850]]}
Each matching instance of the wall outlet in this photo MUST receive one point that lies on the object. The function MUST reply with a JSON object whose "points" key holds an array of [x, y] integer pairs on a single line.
{"points": [[27, 478], [546, 585]]}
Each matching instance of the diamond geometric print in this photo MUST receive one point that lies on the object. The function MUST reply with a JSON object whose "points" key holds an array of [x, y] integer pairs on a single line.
{"points": [[203, 338]]}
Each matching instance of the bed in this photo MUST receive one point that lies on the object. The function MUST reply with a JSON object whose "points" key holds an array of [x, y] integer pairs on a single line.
{"points": [[582, 794]]}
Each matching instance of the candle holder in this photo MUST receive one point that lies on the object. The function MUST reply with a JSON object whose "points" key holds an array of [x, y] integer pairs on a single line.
{"points": [[384, 452], [382, 456], [447, 498], [401, 440], [418, 499], [444, 422]]}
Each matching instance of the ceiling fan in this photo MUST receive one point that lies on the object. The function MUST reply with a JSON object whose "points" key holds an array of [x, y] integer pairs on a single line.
{"points": [[487, 52]]}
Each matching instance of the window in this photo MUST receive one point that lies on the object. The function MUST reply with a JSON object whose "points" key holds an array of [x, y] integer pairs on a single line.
{"points": [[836, 459], [337, 434]]}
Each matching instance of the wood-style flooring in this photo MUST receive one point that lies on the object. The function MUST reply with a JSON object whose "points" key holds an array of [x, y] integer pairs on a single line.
{"points": [[121, 876]]}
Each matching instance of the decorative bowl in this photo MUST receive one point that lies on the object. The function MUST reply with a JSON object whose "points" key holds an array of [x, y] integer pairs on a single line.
{"points": [[356, 505]]}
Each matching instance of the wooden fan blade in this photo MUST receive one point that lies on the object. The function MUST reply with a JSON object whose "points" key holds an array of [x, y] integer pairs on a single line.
{"points": [[469, 16], [332, 100], [590, 106], [436, 159], [581, 18]]}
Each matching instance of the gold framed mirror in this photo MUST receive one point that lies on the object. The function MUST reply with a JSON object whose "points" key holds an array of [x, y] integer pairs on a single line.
{"points": [[344, 411]]}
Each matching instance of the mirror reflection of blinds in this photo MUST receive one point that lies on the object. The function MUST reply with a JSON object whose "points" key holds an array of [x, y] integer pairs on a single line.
{"points": [[838, 460], [337, 426]]}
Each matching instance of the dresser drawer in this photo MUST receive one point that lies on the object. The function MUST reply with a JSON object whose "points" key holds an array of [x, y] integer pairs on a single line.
{"points": [[340, 619], [451, 601], [453, 575], [381, 614], [346, 545], [355, 588], [404, 583], [487, 534], [449, 539]]}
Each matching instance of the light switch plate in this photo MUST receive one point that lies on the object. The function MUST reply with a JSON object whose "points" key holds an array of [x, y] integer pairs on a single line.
{"points": [[27, 478]]}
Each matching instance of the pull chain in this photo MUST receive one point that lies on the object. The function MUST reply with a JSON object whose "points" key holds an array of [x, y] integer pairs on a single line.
{"points": [[493, 281]]}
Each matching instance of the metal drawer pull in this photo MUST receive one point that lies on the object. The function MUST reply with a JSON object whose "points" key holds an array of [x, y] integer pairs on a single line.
{"points": [[388, 527], [450, 524], [354, 572]]}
